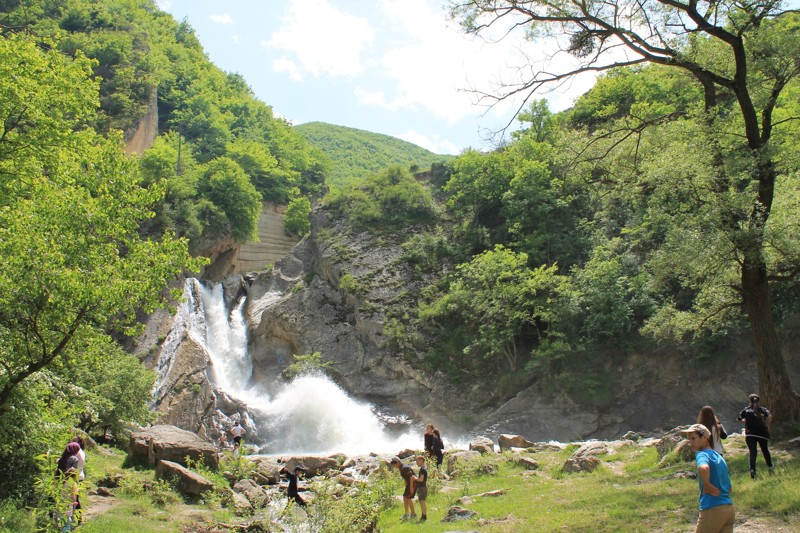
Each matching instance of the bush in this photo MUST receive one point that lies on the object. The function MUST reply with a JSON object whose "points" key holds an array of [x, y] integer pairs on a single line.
{"points": [[296, 220]]}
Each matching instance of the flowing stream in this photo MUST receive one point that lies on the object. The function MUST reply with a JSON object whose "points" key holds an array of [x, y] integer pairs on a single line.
{"points": [[310, 414]]}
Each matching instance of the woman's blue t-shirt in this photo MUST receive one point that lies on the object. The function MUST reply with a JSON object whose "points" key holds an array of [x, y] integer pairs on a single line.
{"points": [[718, 476]]}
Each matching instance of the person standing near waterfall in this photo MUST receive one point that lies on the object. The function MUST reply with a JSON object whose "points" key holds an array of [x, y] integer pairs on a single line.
{"points": [[407, 473], [433, 443], [237, 431]]}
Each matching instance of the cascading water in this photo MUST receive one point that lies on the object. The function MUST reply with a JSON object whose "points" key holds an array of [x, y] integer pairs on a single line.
{"points": [[310, 414]]}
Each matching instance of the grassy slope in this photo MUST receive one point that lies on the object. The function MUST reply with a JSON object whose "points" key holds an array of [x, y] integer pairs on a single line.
{"points": [[629, 492], [358, 153]]}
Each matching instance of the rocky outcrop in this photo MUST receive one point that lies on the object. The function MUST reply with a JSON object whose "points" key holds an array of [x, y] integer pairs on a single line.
{"points": [[186, 481], [169, 443], [146, 130]]}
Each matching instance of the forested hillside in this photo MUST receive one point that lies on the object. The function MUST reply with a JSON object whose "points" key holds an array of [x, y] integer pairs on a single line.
{"points": [[356, 154], [90, 238]]}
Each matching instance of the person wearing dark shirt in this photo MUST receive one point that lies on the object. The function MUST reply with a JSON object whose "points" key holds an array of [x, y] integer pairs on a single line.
{"points": [[407, 473], [433, 443], [757, 420], [421, 487], [292, 490]]}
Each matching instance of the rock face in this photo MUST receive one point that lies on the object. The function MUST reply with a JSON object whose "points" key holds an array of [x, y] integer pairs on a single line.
{"points": [[301, 306], [169, 443]]}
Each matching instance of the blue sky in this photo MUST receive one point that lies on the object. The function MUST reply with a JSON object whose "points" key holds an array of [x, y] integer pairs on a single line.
{"points": [[397, 67]]}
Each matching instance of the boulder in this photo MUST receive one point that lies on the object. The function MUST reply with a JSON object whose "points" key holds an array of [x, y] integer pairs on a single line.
{"points": [[169, 443], [585, 458], [631, 435], [458, 513], [526, 462], [581, 464], [252, 491], [267, 471], [546, 446], [240, 504], [405, 454], [454, 458], [314, 465], [513, 441], [187, 482], [684, 450], [482, 445], [793, 444], [669, 440]]}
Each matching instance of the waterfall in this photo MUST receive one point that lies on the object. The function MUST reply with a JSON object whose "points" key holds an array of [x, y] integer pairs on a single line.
{"points": [[310, 414]]}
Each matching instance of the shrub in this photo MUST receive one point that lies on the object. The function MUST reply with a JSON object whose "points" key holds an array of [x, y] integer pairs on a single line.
{"points": [[296, 220]]}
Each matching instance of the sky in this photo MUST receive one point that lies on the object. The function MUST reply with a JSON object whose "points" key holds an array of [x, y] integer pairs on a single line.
{"points": [[397, 67]]}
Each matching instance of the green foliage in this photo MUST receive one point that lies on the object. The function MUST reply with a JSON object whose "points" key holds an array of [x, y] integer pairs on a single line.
{"points": [[338, 510], [307, 364], [507, 308], [75, 266], [351, 285], [358, 154], [224, 183], [296, 219], [391, 199], [644, 92]]}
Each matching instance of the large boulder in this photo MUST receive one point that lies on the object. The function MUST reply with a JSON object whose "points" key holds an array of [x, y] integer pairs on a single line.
{"points": [[507, 442], [251, 490], [585, 458], [482, 445], [188, 482], [454, 458], [314, 464], [169, 443]]}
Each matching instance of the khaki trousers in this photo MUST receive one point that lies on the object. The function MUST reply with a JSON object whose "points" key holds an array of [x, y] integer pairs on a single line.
{"points": [[717, 519]]}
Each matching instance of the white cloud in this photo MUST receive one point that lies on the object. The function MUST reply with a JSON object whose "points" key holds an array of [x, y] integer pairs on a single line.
{"points": [[437, 145], [318, 39], [444, 71], [235, 38], [164, 5], [222, 18]]}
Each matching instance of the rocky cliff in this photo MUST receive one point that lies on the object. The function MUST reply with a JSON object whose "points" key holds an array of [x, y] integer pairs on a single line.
{"points": [[301, 305]]}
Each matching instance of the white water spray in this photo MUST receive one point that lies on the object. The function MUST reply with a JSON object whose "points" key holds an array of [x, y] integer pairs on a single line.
{"points": [[311, 414]]}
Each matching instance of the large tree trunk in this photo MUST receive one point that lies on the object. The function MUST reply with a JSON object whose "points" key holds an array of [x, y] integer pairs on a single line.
{"points": [[774, 386]]}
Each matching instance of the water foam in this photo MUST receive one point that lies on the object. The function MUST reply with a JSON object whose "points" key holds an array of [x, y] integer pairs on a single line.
{"points": [[310, 414]]}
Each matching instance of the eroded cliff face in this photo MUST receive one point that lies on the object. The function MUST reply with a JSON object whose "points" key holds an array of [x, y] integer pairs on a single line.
{"points": [[301, 306]]}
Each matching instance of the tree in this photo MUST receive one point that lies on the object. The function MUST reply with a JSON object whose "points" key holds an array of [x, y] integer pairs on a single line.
{"points": [[296, 220], [744, 57], [506, 305], [71, 205]]}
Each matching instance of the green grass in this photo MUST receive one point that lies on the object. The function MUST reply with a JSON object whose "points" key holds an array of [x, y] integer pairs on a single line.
{"points": [[628, 492]]}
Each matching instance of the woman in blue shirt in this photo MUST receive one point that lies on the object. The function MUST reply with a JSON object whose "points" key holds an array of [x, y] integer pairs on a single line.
{"points": [[716, 507]]}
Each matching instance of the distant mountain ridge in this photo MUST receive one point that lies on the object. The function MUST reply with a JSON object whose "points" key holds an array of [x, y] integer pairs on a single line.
{"points": [[358, 153]]}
